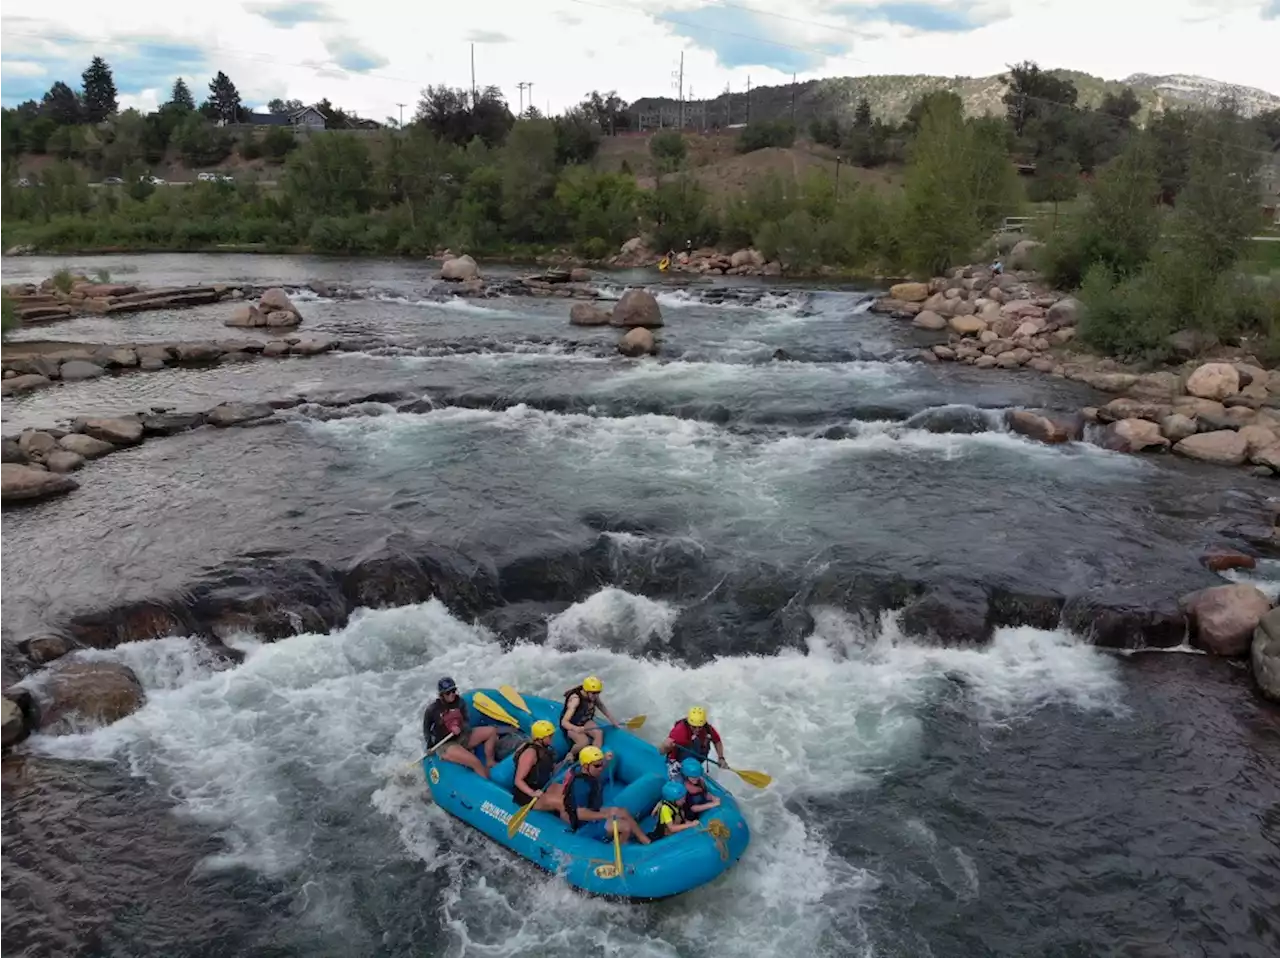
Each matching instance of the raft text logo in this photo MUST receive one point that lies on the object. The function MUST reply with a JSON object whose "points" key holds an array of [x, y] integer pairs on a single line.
{"points": [[493, 811]]}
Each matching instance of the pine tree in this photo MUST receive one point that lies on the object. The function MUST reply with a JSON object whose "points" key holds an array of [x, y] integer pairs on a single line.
{"points": [[181, 97], [224, 98], [862, 115], [62, 105], [99, 91]]}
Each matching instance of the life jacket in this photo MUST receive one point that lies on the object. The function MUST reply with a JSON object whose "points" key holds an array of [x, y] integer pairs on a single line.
{"points": [[678, 817], [538, 777], [574, 794], [699, 746], [585, 711], [452, 720]]}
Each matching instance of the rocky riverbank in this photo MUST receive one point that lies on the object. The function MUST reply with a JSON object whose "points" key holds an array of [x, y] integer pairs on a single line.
{"points": [[1225, 411], [52, 299]]}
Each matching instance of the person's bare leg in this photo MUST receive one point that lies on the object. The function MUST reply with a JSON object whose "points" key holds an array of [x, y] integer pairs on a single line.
{"points": [[488, 736], [552, 799], [579, 740], [597, 737], [460, 755]]}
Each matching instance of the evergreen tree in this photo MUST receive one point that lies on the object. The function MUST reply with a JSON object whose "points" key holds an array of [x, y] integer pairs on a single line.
{"points": [[862, 115], [99, 91], [62, 105], [224, 98], [180, 97]]}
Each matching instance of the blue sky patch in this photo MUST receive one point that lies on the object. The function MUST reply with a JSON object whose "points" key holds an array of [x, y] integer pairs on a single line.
{"points": [[736, 36], [291, 13], [354, 56], [137, 64], [921, 15]]}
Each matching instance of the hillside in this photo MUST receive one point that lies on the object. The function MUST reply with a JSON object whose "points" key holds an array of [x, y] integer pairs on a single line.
{"points": [[892, 96]]}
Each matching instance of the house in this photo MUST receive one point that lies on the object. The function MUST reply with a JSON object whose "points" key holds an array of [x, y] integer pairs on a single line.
{"points": [[266, 119], [308, 118]]}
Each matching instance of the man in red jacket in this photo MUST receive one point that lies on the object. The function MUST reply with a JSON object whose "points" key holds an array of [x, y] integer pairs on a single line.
{"points": [[692, 737]]}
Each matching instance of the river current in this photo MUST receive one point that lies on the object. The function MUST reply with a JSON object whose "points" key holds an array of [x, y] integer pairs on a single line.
{"points": [[1032, 795]]}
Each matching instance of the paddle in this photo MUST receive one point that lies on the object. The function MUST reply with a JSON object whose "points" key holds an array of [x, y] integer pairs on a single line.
{"points": [[518, 818], [632, 723], [431, 751], [617, 850], [758, 779], [488, 707], [514, 697]]}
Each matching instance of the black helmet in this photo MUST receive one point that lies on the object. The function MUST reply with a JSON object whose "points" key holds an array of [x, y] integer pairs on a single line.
{"points": [[447, 684]]}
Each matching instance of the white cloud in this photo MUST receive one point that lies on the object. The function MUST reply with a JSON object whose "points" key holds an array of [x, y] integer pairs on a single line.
{"points": [[567, 47]]}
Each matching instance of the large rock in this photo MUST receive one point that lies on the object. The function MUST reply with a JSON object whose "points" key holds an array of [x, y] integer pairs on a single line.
{"points": [[459, 269], [967, 325], [1177, 427], [928, 319], [276, 300], [235, 413], [13, 724], [122, 431], [1224, 447], [85, 446], [1214, 381], [637, 307], [910, 292], [36, 444], [588, 314], [20, 483], [1265, 655], [1223, 617], [1045, 427], [77, 369], [312, 345], [23, 383], [1065, 312], [1135, 435], [78, 693], [638, 342], [746, 257], [63, 460], [1022, 255], [246, 315]]}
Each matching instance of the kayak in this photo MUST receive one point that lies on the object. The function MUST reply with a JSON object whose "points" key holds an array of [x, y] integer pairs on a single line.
{"points": [[633, 780]]}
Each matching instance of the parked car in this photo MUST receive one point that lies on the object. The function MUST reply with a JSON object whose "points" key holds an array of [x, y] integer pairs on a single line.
{"points": [[112, 181], [153, 180]]}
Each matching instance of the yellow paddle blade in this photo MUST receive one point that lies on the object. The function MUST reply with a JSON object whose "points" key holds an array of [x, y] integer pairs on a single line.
{"points": [[617, 850], [514, 697], [758, 779], [634, 723], [487, 706], [518, 818]]}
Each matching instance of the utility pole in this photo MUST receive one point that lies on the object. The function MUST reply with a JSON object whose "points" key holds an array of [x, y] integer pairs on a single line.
{"points": [[748, 99], [522, 86], [677, 82], [793, 101], [681, 89], [728, 105], [473, 76], [401, 105]]}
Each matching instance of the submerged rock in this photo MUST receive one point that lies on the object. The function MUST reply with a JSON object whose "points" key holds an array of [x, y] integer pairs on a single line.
{"points": [[1223, 617], [75, 694], [638, 342]]}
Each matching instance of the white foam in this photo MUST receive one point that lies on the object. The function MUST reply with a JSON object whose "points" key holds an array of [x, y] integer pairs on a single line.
{"points": [[335, 719], [612, 619]]}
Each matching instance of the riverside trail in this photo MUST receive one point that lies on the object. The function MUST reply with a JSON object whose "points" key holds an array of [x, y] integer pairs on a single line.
{"points": [[737, 522]]}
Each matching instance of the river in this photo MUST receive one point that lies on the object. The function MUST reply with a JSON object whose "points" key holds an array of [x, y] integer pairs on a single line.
{"points": [[1029, 795]]}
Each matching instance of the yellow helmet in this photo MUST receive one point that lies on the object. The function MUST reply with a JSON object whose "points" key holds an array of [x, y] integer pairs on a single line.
{"points": [[542, 729], [697, 716], [592, 684], [590, 754]]}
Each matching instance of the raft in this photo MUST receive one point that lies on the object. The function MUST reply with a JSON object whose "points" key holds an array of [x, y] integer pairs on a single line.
{"points": [[634, 778]]}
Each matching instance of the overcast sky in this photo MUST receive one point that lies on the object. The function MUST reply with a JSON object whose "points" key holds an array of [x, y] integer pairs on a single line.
{"points": [[367, 56]]}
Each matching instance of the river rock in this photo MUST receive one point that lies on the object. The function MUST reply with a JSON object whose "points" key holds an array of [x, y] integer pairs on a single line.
{"points": [[459, 269], [10, 451], [1065, 312], [1265, 655], [1022, 255], [280, 318], [637, 307], [1225, 447], [117, 357], [276, 300], [23, 383], [588, 314], [1135, 435], [63, 461], [1268, 457], [77, 369], [20, 483], [94, 692], [122, 431], [1177, 427], [1256, 438], [275, 348], [580, 274], [235, 413], [944, 352], [1045, 426], [910, 292], [637, 342], [36, 445], [1125, 408], [197, 352], [1220, 559], [928, 319], [312, 345], [1223, 617], [746, 257], [1214, 381], [43, 649], [13, 724], [87, 447], [967, 325], [171, 423], [246, 315]]}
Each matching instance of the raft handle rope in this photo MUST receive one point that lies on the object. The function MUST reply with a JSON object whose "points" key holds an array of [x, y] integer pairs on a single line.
{"points": [[719, 831]]}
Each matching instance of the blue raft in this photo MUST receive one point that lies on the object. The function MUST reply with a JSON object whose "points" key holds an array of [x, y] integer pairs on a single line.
{"points": [[634, 780]]}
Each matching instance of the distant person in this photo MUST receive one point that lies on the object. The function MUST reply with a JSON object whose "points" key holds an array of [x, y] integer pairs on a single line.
{"points": [[671, 812], [446, 717], [578, 717], [997, 267], [535, 761], [584, 807], [692, 737], [697, 798]]}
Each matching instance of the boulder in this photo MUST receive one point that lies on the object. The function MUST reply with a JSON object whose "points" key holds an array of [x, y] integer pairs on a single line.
{"points": [[928, 319], [20, 483], [43, 649], [588, 314], [1265, 655], [580, 274], [171, 423], [275, 348], [1224, 447], [637, 307], [1045, 426], [12, 452], [1189, 343], [63, 460], [117, 357], [1223, 617], [459, 269], [312, 345], [24, 383], [1256, 438], [967, 325], [1220, 559], [276, 300], [1135, 435], [637, 342], [246, 315], [13, 723], [1177, 427], [1214, 381], [75, 693], [122, 431], [197, 352], [36, 445], [279, 318], [84, 446], [235, 413], [1269, 457], [154, 353], [1065, 312], [77, 369], [910, 292], [1023, 253], [746, 257]]}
